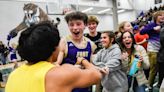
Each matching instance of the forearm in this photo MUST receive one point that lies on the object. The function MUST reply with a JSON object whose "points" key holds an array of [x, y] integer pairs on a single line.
{"points": [[86, 64], [99, 64], [114, 65]]}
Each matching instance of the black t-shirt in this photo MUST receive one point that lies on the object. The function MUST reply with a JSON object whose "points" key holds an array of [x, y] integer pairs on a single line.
{"points": [[96, 40]]}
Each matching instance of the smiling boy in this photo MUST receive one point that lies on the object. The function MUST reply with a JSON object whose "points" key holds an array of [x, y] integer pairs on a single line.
{"points": [[76, 45]]}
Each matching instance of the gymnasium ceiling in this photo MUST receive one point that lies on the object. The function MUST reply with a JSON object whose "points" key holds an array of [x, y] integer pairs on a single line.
{"points": [[87, 6]]}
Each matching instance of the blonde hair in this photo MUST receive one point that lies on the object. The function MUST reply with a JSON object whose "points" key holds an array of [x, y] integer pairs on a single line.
{"points": [[156, 14], [93, 19], [121, 26], [14, 45]]}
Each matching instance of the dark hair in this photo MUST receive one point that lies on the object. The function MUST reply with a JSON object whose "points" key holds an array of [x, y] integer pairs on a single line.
{"points": [[38, 42], [133, 41], [77, 16], [111, 35]]}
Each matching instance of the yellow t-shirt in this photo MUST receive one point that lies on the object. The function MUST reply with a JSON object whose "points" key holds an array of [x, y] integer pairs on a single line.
{"points": [[28, 78]]}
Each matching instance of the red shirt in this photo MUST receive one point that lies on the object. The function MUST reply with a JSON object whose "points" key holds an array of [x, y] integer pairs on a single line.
{"points": [[139, 38]]}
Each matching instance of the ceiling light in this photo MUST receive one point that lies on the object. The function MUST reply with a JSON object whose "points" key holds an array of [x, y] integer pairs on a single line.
{"points": [[88, 9], [119, 11], [103, 11]]}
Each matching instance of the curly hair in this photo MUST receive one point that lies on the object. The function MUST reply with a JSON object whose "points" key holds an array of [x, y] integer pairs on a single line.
{"points": [[38, 42]]}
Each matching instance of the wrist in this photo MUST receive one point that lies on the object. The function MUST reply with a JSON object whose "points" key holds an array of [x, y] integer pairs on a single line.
{"points": [[80, 61]]}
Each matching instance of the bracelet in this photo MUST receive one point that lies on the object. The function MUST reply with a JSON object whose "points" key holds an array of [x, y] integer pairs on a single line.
{"points": [[82, 60]]}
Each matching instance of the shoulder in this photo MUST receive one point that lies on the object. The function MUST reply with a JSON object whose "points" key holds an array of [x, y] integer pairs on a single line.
{"points": [[116, 47], [63, 40], [62, 43], [86, 35], [60, 72], [16, 72], [87, 39]]}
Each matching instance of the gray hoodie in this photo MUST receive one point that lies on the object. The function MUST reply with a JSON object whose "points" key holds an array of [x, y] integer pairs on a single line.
{"points": [[116, 80]]}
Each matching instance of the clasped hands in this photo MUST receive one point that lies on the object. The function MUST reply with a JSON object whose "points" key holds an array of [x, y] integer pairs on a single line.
{"points": [[103, 70]]}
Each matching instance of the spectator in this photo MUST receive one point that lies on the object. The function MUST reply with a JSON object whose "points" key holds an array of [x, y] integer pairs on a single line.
{"points": [[94, 35], [138, 81], [110, 58], [141, 39]]}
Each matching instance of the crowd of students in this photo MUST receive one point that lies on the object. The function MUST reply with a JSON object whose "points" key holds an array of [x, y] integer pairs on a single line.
{"points": [[115, 62]]}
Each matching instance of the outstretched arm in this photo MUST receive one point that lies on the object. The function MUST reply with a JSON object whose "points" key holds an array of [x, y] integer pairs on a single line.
{"points": [[85, 77], [62, 46], [68, 76]]}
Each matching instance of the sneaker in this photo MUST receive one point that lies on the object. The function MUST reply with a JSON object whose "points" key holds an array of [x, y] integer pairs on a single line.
{"points": [[150, 89], [158, 86]]}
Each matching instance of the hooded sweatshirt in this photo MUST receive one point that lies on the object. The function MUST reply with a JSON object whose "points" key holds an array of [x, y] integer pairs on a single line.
{"points": [[116, 80]]}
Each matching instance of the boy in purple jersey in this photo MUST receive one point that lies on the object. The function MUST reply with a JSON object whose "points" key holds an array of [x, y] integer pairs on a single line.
{"points": [[76, 45]]}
